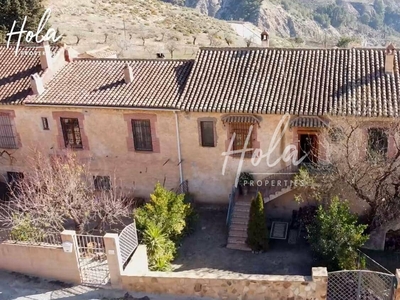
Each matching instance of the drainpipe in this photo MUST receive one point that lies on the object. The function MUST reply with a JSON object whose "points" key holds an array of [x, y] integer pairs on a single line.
{"points": [[178, 140]]}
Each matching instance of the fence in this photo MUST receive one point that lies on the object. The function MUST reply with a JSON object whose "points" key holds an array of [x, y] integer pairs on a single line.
{"points": [[128, 242], [232, 198], [183, 188], [367, 263], [30, 238], [92, 260]]}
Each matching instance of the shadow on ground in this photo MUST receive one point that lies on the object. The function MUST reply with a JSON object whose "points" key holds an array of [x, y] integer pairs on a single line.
{"points": [[204, 252]]}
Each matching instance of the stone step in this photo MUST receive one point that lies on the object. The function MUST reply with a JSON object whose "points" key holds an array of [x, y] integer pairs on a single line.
{"points": [[244, 209], [240, 221], [238, 233], [238, 247], [242, 204], [240, 227], [240, 214], [237, 240]]}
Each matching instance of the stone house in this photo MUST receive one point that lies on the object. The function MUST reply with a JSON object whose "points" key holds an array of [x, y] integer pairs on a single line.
{"points": [[172, 120]]}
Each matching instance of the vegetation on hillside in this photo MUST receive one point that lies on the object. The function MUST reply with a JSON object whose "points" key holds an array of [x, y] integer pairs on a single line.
{"points": [[17, 10]]}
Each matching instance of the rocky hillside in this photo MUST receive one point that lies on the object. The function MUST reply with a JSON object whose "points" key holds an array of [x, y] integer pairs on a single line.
{"points": [[372, 22], [139, 28]]}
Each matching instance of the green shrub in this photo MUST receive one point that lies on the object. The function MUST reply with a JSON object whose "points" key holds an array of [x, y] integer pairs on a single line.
{"points": [[166, 209], [335, 235], [162, 223], [26, 231], [257, 232], [160, 249]]}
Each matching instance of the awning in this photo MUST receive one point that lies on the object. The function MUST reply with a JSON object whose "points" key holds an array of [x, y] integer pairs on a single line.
{"points": [[241, 119], [309, 122]]}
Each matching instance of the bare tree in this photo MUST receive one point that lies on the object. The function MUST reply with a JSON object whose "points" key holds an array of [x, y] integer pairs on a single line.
{"points": [[248, 41], [59, 192], [144, 34], [194, 39], [78, 39], [362, 163], [105, 38], [228, 39], [171, 47]]}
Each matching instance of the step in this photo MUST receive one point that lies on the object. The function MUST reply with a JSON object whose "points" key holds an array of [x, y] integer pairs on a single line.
{"points": [[240, 221], [240, 227], [238, 247], [245, 209], [237, 240], [238, 233], [241, 214], [242, 204]]}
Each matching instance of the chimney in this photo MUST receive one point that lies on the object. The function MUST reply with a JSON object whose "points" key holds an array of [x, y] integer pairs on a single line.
{"points": [[265, 39], [389, 59], [45, 55], [70, 54], [37, 84], [128, 74]]}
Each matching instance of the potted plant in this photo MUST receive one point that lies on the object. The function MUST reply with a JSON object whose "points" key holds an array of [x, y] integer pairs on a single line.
{"points": [[244, 182]]}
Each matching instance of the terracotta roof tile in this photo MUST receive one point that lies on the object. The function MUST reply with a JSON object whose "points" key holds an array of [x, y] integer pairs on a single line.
{"points": [[295, 81], [15, 70], [100, 82]]}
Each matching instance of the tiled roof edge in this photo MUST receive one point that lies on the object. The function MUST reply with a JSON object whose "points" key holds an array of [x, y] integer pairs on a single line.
{"points": [[130, 59], [283, 48]]}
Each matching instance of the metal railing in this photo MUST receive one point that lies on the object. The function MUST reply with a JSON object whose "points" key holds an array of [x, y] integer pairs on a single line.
{"points": [[285, 175], [30, 238], [365, 262], [128, 242], [232, 200], [183, 188], [92, 259]]}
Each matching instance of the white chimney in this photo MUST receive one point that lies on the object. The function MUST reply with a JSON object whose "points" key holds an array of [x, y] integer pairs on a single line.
{"points": [[389, 59], [37, 84], [265, 39], [45, 55], [128, 73]]}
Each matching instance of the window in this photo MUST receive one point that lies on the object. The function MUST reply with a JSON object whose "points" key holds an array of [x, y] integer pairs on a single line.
{"points": [[8, 139], [45, 124], [71, 133], [207, 133], [14, 176], [242, 131], [377, 143], [142, 135], [102, 183]]}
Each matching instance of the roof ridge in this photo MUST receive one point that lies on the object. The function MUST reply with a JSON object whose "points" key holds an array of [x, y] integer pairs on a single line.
{"points": [[130, 59], [283, 48]]}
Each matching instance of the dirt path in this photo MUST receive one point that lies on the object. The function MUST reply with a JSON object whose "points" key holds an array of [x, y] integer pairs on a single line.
{"points": [[21, 287]]}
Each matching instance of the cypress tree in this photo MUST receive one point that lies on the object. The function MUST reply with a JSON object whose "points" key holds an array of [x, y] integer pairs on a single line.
{"points": [[257, 231]]}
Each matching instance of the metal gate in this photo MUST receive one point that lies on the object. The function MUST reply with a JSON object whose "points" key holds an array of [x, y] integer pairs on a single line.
{"points": [[360, 285], [128, 242], [92, 258]]}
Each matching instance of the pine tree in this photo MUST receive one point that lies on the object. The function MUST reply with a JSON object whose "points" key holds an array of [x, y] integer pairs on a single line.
{"points": [[257, 232], [17, 10]]}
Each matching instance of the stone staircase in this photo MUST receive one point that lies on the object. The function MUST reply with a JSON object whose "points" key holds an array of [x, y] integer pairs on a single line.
{"points": [[240, 219], [241, 207]]}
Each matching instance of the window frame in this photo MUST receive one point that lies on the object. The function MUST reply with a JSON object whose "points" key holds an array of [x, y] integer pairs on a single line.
{"points": [[8, 134], [102, 183], [143, 140], [243, 131], [65, 126], [45, 123], [202, 135], [377, 153]]}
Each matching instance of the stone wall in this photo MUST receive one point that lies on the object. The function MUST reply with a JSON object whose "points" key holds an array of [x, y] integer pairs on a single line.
{"points": [[235, 286], [49, 262]]}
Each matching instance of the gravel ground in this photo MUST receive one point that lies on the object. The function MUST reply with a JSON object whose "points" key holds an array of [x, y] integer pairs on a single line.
{"points": [[22, 287]]}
